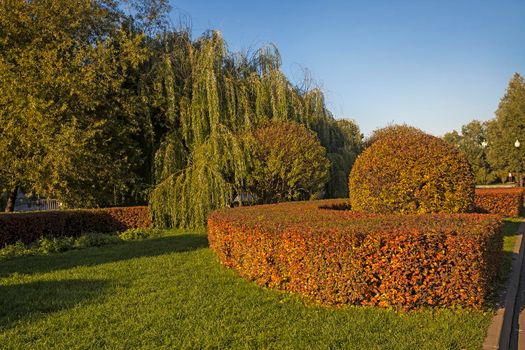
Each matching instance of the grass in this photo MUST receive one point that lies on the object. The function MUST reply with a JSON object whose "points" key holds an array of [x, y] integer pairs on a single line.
{"points": [[510, 234], [170, 292]]}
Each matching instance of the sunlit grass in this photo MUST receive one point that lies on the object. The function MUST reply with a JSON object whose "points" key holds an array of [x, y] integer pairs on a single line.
{"points": [[170, 292]]}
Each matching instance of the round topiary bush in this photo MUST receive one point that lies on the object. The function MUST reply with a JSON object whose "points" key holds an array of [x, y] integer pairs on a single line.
{"points": [[408, 171]]}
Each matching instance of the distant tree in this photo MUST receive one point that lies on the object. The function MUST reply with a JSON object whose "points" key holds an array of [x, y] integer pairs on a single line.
{"points": [[471, 141], [453, 137], [506, 128], [288, 163], [69, 109], [347, 145]]}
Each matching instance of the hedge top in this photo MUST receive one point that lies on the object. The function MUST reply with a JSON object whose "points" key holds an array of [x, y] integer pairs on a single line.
{"points": [[316, 216], [408, 171]]}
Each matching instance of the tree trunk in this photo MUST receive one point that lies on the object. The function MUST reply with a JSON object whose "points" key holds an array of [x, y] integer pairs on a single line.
{"points": [[11, 198]]}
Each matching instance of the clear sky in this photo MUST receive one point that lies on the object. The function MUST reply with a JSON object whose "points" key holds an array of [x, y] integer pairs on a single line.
{"points": [[434, 64]]}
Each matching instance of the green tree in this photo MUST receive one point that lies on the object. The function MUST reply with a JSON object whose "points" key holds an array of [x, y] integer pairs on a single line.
{"points": [[202, 98], [287, 163], [345, 146], [473, 142], [506, 128], [69, 105]]}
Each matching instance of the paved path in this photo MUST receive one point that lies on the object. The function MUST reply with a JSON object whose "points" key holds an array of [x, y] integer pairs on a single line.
{"points": [[517, 336]]}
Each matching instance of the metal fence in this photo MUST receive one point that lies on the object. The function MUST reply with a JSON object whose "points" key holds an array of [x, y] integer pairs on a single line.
{"points": [[26, 204]]}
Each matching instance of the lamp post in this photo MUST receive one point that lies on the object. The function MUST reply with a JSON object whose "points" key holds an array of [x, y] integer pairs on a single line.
{"points": [[517, 145]]}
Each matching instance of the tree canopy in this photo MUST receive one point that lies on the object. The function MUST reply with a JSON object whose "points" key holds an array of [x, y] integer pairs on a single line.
{"points": [[104, 103], [287, 163], [490, 146], [473, 142], [506, 128], [203, 98], [69, 108]]}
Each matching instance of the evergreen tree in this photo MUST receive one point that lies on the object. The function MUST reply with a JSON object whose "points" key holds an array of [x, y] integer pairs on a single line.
{"points": [[507, 128]]}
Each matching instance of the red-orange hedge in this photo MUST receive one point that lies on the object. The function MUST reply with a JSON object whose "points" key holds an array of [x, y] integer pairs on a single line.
{"points": [[344, 257], [504, 201], [28, 227]]}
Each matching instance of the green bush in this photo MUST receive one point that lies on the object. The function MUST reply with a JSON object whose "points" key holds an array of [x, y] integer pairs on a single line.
{"points": [[407, 171], [13, 250], [95, 240], [50, 245], [55, 245], [288, 163], [135, 234]]}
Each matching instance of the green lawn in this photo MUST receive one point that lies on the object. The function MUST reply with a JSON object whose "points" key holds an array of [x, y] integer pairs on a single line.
{"points": [[170, 292]]}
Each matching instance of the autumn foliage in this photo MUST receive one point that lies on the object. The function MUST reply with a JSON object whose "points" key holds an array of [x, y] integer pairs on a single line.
{"points": [[28, 227], [345, 257], [407, 171], [504, 201]]}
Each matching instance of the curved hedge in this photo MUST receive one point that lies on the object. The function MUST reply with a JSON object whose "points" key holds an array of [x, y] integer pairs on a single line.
{"points": [[504, 201], [407, 171], [345, 257]]}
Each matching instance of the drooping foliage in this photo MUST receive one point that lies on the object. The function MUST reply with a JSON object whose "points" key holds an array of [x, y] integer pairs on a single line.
{"points": [[102, 102], [203, 99], [287, 163], [407, 171]]}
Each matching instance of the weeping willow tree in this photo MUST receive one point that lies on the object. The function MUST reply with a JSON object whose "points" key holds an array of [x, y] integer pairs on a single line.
{"points": [[201, 97]]}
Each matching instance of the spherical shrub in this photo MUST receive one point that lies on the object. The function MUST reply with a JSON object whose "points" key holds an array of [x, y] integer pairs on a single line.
{"points": [[288, 163], [407, 171]]}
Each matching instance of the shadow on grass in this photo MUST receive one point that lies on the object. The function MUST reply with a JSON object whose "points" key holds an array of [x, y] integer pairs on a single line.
{"points": [[36, 299], [510, 229], [102, 255]]}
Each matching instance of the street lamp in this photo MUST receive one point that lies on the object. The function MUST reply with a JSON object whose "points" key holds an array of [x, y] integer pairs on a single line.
{"points": [[517, 145]]}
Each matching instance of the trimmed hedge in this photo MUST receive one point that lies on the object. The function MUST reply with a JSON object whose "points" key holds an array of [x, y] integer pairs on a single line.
{"points": [[344, 257], [28, 227], [504, 201], [410, 172]]}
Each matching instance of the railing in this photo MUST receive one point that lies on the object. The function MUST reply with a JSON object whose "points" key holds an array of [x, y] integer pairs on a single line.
{"points": [[25, 204]]}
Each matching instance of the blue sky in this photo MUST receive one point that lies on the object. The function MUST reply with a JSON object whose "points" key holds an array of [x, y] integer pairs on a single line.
{"points": [[432, 64]]}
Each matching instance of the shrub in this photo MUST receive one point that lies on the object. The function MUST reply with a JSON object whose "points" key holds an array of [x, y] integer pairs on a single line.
{"points": [[13, 250], [45, 245], [135, 234], [95, 240], [55, 245], [288, 163], [29, 227], [346, 257], [407, 171], [504, 201]]}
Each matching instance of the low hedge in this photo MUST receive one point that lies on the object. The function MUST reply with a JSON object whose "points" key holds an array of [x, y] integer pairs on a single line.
{"points": [[28, 227], [504, 201], [343, 257]]}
